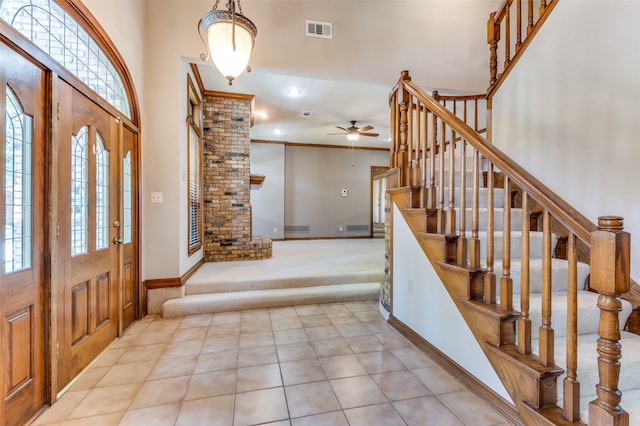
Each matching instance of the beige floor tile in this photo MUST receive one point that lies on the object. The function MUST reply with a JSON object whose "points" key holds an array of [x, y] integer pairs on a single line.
{"points": [[164, 324], [271, 403], [181, 349], [226, 318], [393, 340], [247, 327], [163, 391], [311, 398], [125, 341], [89, 378], [61, 410], [413, 358], [365, 316], [334, 308], [349, 318], [368, 343], [285, 323], [331, 347], [351, 330], [379, 326], [357, 391], [296, 335], [216, 411], [295, 352], [221, 344], [257, 356], [283, 312], [253, 340], [399, 385], [437, 380], [142, 353], [470, 409], [192, 333], [109, 357], [122, 374], [201, 320], [335, 418], [379, 414], [426, 411], [360, 306], [303, 371], [380, 362], [153, 337], [173, 367], [258, 377], [216, 361], [322, 332], [340, 366], [305, 310], [213, 383], [109, 419], [282, 423], [161, 415], [315, 320], [105, 400], [256, 315], [222, 330]]}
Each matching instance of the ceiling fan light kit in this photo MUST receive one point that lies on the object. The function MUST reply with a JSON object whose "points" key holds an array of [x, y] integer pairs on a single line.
{"points": [[230, 37], [353, 133]]}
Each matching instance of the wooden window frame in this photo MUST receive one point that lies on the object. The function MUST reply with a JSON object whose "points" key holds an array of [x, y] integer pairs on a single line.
{"points": [[194, 120]]}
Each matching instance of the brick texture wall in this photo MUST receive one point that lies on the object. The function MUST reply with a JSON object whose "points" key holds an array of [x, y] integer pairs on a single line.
{"points": [[227, 190]]}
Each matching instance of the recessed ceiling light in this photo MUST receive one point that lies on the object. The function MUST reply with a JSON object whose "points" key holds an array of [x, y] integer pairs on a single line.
{"points": [[293, 91], [278, 132], [262, 114]]}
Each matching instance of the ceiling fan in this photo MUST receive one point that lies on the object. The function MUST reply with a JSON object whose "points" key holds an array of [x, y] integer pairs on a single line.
{"points": [[353, 132]]}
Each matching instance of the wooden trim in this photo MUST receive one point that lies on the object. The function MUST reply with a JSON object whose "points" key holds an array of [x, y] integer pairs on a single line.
{"points": [[476, 386], [197, 77], [228, 95], [318, 145], [355, 237], [256, 179], [175, 282], [270, 142]]}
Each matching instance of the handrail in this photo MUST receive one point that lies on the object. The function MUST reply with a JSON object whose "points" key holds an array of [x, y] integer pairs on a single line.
{"points": [[505, 54], [561, 210], [429, 157]]}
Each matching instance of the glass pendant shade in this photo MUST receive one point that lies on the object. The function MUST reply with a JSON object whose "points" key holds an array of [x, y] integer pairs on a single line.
{"points": [[353, 136], [230, 38]]}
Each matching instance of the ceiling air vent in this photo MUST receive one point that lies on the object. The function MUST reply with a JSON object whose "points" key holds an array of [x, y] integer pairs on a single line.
{"points": [[306, 114], [319, 29]]}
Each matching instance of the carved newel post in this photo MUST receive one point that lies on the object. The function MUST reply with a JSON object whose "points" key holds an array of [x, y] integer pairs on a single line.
{"points": [[610, 276]]}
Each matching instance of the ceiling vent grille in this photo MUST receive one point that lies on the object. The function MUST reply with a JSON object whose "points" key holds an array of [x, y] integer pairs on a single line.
{"points": [[319, 29], [306, 114]]}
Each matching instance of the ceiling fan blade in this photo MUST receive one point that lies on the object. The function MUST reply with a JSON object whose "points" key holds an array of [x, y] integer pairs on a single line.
{"points": [[343, 129], [365, 129], [335, 133], [370, 134]]}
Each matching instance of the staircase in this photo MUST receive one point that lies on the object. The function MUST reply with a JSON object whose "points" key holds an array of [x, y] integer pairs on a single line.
{"points": [[538, 285]]}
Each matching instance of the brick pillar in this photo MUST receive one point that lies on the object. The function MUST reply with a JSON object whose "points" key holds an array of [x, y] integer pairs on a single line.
{"points": [[227, 190]]}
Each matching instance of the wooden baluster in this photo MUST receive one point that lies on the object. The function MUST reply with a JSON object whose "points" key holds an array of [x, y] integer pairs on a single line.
{"points": [[543, 6], [403, 154], [530, 17], [431, 190], [493, 36], [490, 276], [423, 159], [441, 151], [507, 37], [518, 24], [610, 260], [450, 226], [393, 103], [474, 250], [506, 282], [571, 404], [546, 331], [410, 140], [524, 323], [462, 228]]}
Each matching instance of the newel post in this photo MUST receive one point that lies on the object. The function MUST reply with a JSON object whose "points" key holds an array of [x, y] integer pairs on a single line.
{"points": [[610, 260], [403, 153], [493, 36]]}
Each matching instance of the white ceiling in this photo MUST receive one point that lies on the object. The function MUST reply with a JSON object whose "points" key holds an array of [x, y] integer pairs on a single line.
{"points": [[441, 42]]}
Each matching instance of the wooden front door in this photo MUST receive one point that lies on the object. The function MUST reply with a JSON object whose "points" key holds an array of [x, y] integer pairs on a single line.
{"points": [[128, 232], [22, 230], [87, 276]]}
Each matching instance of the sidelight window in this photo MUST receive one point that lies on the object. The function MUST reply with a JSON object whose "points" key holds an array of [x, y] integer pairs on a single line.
{"points": [[18, 191], [102, 195], [79, 192], [128, 199]]}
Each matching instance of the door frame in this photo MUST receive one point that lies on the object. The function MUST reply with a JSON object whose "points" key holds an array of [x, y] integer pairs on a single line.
{"points": [[375, 171]]}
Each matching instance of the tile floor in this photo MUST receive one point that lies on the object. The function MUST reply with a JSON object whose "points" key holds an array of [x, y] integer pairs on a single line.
{"points": [[333, 364]]}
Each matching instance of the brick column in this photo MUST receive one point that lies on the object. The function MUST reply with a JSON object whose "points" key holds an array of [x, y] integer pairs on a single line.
{"points": [[227, 209]]}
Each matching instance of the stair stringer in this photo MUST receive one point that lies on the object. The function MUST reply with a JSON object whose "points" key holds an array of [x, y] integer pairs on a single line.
{"points": [[531, 386]]}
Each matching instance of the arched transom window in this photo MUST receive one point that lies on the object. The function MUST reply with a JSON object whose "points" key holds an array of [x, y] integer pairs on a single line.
{"points": [[56, 32]]}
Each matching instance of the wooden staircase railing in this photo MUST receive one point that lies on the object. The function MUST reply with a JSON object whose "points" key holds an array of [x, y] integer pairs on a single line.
{"points": [[429, 151], [509, 30]]}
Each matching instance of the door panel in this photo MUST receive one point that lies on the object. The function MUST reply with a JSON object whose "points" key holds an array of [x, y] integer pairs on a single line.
{"points": [[129, 226], [87, 276], [22, 227]]}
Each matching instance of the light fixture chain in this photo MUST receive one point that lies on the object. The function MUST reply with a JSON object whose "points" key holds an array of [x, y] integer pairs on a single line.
{"points": [[215, 6], [240, 8]]}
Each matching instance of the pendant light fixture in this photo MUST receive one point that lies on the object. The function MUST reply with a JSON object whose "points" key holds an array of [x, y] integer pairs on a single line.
{"points": [[230, 37]]}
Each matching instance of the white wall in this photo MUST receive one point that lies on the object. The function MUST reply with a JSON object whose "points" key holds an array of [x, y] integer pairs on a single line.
{"points": [[568, 112], [267, 202], [421, 302]]}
